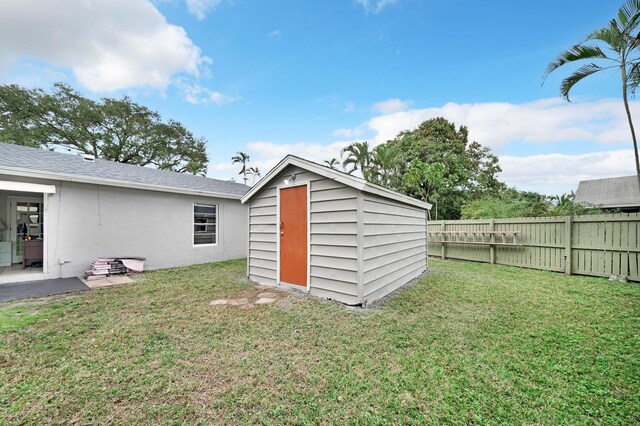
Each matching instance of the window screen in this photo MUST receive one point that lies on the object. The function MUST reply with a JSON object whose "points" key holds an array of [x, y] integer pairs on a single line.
{"points": [[205, 222]]}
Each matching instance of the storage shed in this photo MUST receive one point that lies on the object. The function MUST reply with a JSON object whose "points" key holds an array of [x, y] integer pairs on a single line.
{"points": [[333, 235]]}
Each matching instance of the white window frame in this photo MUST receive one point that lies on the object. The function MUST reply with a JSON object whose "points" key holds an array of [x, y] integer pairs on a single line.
{"points": [[193, 224]]}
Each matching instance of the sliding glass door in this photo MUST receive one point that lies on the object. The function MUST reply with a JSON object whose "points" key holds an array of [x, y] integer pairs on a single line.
{"points": [[27, 222]]}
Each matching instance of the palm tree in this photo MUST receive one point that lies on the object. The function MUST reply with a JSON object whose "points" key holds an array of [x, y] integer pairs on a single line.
{"points": [[622, 42], [385, 159], [255, 172], [358, 157], [242, 158], [333, 163]]}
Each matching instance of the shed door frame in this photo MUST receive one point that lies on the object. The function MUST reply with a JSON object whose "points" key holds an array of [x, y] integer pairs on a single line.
{"points": [[280, 187]]}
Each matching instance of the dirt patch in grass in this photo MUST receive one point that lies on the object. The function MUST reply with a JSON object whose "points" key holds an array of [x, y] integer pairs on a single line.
{"points": [[469, 343]]}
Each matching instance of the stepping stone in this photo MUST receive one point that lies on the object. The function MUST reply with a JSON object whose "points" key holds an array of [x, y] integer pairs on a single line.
{"points": [[120, 279], [236, 302], [264, 300], [219, 302]]}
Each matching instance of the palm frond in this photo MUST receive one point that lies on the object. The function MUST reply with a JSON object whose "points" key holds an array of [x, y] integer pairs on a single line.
{"points": [[576, 53], [628, 14], [578, 75]]}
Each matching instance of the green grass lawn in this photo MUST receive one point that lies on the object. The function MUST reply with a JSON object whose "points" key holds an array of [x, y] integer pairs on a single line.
{"points": [[470, 343]]}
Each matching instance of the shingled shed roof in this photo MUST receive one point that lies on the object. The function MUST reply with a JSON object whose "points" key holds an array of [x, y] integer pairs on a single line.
{"points": [[31, 162], [614, 192]]}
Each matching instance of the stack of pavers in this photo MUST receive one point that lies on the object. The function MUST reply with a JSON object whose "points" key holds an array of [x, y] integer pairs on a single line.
{"points": [[104, 267]]}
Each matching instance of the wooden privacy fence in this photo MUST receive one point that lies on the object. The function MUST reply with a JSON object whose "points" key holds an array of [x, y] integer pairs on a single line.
{"points": [[602, 245]]}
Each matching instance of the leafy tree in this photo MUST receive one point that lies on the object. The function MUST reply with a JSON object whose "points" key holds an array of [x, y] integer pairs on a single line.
{"points": [[423, 181], [509, 203], [621, 40], [565, 205], [113, 129], [255, 172], [470, 169], [242, 158], [333, 163], [359, 156]]}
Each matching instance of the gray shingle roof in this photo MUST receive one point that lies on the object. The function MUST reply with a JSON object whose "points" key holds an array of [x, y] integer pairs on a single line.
{"points": [[610, 193], [15, 157]]}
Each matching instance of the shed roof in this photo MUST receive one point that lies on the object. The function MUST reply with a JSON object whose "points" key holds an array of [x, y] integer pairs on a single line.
{"points": [[338, 176], [32, 162], [610, 192]]}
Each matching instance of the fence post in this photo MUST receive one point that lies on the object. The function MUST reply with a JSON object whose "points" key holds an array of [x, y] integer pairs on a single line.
{"points": [[568, 225], [443, 253], [492, 247]]}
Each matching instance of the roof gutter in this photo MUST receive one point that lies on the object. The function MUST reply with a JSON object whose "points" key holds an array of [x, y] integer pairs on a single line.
{"points": [[16, 171]]}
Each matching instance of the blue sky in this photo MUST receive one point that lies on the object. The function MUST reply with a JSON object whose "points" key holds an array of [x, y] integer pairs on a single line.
{"points": [[273, 77]]}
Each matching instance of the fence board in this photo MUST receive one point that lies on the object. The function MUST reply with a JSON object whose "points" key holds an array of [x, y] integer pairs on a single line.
{"points": [[601, 245]]}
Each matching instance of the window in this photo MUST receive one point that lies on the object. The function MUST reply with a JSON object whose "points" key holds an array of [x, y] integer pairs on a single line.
{"points": [[205, 221]]}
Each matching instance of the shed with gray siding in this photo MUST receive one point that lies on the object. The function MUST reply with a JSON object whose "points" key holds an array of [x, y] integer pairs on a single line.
{"points": [[332, 234]]}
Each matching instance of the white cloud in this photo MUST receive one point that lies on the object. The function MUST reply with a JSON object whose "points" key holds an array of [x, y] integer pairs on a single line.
{"points": [[375, 6], [200, 8], [107, 44], [560, 173], [390, 106], [542, 121], [275, 34], [199, 95], [546, 121]]}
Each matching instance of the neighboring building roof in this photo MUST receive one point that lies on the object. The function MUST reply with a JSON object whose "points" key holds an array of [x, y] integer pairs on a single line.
{"points": [[617, 192], [31, 162], [338, 176]]}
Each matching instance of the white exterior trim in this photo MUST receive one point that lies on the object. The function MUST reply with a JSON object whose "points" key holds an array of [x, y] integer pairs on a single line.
{"points": [[344, 178], [193, 234], [7, 185]]}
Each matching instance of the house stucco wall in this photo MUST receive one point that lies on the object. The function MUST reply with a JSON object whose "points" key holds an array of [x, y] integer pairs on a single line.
{"points": [[84, 221]]}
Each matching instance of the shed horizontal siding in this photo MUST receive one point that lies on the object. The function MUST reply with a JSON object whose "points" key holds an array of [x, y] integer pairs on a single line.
{"points": [[333, 239], [332, 194], [383, 291], [263, 220], [394, 279], [344, 263], [332, 251], [373, 204], [333, 228], [333, 295], [262, 237], [394, 245], [262, 263], [262, 254], [332, 236]]}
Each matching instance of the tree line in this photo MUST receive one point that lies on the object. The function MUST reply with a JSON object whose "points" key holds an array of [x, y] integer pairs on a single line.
{"points": [[113, 129]]}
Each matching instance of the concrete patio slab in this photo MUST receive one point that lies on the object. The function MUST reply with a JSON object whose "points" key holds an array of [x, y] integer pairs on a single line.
{"points": [[40, 288]]}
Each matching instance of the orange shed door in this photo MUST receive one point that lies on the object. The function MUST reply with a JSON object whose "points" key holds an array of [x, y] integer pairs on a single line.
{"points": [[293, 235]]}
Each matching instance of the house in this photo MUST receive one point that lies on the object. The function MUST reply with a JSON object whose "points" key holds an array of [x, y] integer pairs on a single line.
{"points": [[62, 210], [333, 235], [620, 193]]}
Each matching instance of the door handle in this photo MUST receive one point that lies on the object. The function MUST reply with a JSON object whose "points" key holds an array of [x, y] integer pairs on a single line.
{"points": [[281, 228]]}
